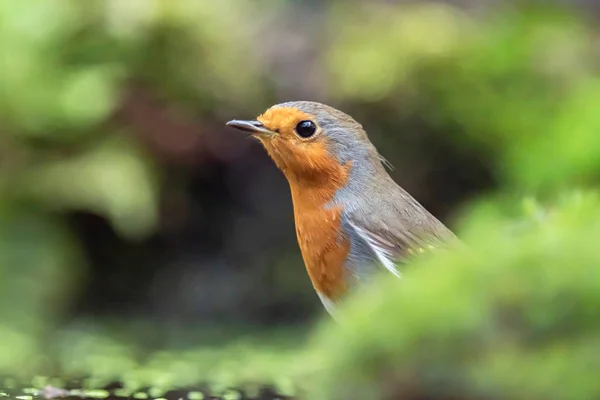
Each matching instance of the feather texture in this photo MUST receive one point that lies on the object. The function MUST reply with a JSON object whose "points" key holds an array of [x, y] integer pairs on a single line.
{"points": [[383, 249]]}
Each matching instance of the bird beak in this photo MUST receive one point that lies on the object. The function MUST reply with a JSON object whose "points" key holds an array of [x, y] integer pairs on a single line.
{"points": [[254, 127]]}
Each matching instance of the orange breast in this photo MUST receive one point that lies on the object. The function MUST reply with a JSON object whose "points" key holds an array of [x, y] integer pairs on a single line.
{"points": [[324, 248]]}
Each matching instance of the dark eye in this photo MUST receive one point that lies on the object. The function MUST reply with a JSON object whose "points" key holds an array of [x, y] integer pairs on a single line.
{"points": [[306, 129]]}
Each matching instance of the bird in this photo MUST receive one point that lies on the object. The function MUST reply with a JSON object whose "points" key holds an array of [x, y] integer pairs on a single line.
{"points": [[352, 219]]}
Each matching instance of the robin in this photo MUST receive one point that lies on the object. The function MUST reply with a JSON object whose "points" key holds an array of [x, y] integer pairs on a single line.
{"points": [[351, 218]]}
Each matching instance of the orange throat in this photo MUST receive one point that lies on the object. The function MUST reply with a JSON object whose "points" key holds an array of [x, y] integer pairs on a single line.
{"points": [[321, 239]]}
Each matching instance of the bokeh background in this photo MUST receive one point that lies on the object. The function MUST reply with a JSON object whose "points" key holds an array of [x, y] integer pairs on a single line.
{"points": [[132, 218]]}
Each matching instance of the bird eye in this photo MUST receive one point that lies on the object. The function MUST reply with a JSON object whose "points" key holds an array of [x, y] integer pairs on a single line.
{"points": [[306, 129]]}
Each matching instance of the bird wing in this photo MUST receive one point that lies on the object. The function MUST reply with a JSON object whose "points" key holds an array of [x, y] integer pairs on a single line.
{"points": [[397, 236], [385, 251]]}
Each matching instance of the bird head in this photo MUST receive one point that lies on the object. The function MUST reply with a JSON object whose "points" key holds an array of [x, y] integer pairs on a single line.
{"points": [[312, 142]]}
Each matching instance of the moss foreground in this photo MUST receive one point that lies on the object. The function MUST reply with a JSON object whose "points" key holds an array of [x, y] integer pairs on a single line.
{"points": [[515, 319]]}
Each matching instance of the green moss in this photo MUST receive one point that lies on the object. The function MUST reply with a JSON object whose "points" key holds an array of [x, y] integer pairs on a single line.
{"points": [[195, 395], [122, 392], [156, 392], [515, 318], [9, 383], [96, 393], [231, 395]]}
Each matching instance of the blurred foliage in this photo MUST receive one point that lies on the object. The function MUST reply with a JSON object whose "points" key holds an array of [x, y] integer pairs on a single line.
{"points": [[87, 360], [520, 84], [247, 361], [67, 66], [514, 319], [32, 251]]}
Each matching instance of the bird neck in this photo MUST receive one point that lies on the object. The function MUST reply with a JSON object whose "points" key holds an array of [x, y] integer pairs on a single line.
{"points": [[318, 224]]}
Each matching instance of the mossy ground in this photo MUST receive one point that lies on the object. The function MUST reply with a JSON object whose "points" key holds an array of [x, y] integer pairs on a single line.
{"points": [[115, 391], [82, 364]]}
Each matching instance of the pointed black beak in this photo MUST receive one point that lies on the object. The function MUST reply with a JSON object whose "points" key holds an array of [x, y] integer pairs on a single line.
{"points": [[253, 127]]}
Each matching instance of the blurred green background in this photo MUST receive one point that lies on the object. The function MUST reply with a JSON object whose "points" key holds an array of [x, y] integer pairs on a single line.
{"points": [[142, 241]]}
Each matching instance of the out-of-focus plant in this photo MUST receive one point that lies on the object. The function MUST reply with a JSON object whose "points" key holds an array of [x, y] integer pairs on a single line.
{"points": [[36, 274], [517, 83], [66, 66], [515, 318]]}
